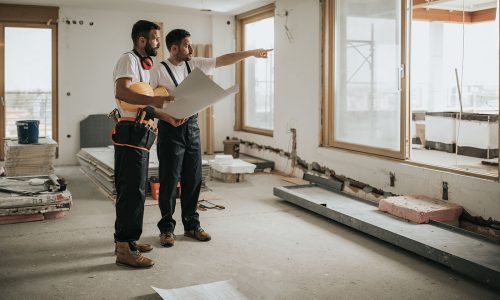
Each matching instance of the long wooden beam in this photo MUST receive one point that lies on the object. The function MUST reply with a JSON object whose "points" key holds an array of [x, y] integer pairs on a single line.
{"points": [[484, 15], [423, 14], [425, 3]]}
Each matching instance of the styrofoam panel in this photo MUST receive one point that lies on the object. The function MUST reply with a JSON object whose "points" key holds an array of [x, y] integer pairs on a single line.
{"points": [[440, 129], [237, 166], [475, 134]]}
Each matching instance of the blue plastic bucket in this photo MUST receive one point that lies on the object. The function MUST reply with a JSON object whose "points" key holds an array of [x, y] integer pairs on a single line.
{"points": [[27, 131]]}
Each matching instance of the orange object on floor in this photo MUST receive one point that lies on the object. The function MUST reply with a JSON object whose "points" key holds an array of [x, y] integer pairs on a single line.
{"points": [[178, 190], [155, 190]]}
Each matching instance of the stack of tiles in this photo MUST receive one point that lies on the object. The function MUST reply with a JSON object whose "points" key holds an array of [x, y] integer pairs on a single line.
{"points": [[30, 159]]}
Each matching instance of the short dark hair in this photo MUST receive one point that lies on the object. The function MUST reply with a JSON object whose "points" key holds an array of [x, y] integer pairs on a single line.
{"points": [[175, 37], [142, 28]]}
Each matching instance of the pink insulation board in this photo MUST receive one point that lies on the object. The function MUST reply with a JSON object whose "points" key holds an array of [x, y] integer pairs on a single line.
{"points": [[420, 209]]}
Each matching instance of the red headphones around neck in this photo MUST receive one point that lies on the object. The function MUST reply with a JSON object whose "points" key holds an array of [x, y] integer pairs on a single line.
{"points": [[146, 61]]}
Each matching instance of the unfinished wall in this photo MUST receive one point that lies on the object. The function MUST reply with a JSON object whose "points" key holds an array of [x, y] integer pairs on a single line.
{"points": [[87, 55], [223, 39], [298, 105]]}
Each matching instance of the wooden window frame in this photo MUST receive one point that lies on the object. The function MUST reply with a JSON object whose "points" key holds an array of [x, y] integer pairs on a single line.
{"points": [[32, 17], [241, 20], [328, 84]]}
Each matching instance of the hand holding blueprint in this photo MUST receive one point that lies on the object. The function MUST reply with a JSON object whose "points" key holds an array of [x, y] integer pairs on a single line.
{"points": [[194, 94]]}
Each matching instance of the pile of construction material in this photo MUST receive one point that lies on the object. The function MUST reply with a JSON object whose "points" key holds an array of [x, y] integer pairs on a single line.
{"points": [[230, 170], [29, 159], [33, 198], [98, 165], [421, 209], [205, 173]]}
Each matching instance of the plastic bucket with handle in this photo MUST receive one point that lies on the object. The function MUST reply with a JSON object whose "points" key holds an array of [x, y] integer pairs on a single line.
{"points": [[27, 131]]}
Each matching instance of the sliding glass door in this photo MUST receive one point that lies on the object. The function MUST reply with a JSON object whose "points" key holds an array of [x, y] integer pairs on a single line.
{"points": [[367, 104]]}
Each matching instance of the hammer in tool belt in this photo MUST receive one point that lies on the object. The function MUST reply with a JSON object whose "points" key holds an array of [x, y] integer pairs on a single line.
{"points": [[141, 114]]}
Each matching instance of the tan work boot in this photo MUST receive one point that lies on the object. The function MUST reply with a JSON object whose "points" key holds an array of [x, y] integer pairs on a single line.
{"points": [[167, 239], [199, 234], [143, 248], [125, 256]]}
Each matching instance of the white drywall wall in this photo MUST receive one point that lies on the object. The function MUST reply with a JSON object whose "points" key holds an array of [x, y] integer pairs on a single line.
{"points": [[223, 40]]}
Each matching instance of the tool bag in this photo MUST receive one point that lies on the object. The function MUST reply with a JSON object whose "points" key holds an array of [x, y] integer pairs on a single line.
{"points": [[128, 133]]}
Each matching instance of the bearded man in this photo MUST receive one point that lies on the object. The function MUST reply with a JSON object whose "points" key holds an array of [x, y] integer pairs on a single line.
{"points": [[131, 157]]}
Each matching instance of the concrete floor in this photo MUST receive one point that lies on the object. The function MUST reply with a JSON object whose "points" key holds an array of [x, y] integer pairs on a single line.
{"points": [[271, 249]]}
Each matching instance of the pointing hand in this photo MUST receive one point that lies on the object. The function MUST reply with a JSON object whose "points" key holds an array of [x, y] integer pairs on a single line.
{"points": [[262, 53]]}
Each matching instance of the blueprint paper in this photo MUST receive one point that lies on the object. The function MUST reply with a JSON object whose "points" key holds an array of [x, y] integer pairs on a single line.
{"points": [[194, 94], [221, 290]]}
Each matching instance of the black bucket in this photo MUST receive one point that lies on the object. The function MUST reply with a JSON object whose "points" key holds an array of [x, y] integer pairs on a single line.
{"points": [[27, 131]]}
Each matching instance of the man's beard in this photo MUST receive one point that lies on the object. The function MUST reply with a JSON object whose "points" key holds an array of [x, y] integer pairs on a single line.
{"points": [[182, 57], [150, 51]]}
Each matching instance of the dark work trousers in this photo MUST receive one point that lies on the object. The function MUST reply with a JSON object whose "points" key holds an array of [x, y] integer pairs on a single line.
{"points": [[179, 155], [131, 172]]}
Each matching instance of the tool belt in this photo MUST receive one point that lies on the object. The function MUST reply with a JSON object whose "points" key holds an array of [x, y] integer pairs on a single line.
{"points": [[129, 133]]}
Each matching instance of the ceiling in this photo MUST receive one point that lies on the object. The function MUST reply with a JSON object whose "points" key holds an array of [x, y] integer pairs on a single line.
{"points": [[231, 7]]}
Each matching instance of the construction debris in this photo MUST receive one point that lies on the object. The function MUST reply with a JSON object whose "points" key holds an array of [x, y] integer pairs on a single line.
{"points": [[33, 198], [230, 170]]}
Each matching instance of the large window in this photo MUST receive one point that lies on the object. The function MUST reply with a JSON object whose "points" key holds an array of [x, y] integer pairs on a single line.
{"points": [[28, 80], [454, 85], [365, 98], [418, 84], [255, 101], [28, 66]]}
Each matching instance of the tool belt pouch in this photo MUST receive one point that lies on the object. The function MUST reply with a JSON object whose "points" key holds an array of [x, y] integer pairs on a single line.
{"points": [[132, 134]]}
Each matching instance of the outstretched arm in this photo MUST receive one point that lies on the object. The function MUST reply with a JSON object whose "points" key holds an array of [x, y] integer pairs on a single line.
{"points": [[231, 58]]}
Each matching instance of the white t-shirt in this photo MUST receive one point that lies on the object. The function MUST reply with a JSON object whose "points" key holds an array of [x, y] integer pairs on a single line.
{"points": [[160, 76], [129, 66]]}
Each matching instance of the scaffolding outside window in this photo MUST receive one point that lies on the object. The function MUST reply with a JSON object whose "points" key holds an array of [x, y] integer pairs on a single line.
{"points": [[255, 101]]}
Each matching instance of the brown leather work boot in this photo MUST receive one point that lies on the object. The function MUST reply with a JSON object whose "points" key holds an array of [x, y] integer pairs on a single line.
{"points": [[127, 257], [199, 234], [143, 248], [167, 239]]}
